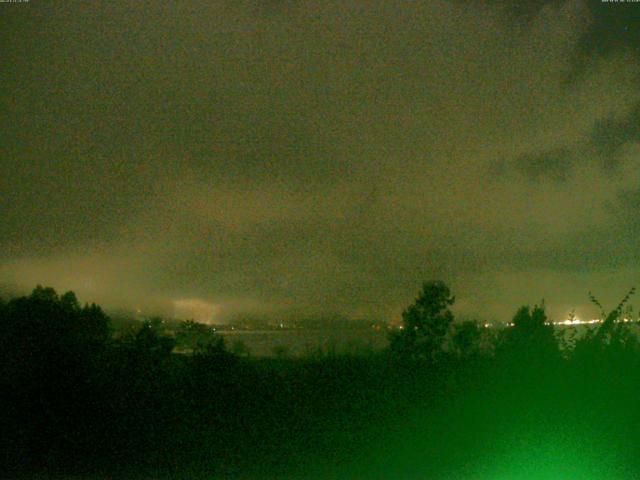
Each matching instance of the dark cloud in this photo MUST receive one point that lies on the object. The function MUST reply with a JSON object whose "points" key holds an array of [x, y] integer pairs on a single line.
{"points": [[615, 25], [312, 155], [553, 165], [609, 135]]}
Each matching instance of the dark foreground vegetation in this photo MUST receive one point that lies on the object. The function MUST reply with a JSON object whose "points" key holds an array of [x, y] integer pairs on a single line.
{"points": [[447, 400]]}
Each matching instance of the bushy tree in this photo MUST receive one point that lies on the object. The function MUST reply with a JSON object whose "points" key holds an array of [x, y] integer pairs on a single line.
{"points": [[50, 354], [531, 337], [45, 324], [466, 340], [195, 336], [151, 338], [425, 323]]}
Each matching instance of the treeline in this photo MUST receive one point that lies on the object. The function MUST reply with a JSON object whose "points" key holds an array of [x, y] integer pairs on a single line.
{"points": [[447, 399]]}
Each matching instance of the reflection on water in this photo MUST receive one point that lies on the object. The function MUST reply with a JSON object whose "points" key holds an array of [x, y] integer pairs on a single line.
{"points": [[304, 342]]}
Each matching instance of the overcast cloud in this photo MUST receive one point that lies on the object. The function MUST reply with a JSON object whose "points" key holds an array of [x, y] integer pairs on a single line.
{"points": [[320, 156]]}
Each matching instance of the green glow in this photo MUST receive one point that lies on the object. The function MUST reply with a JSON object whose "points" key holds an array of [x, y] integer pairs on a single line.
{"points": [[549, 456]]}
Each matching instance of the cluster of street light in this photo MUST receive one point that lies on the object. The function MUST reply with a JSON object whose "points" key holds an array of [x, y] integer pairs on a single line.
{"points": [[563, 323], [575, 321]]}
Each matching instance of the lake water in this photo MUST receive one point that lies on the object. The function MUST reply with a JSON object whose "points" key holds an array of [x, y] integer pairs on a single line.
{"points": [[305, 342]]}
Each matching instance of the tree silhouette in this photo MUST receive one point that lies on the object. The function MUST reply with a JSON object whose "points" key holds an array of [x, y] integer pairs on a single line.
{"points": [[613, 336], [531, 338], [51, 350], [151, 339], [610, 328], [45, 324], [425, 323], [195, 336], [466, 339]]}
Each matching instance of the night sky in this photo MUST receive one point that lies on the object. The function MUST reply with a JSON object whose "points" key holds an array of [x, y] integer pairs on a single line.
{"points": [[320, 157]]}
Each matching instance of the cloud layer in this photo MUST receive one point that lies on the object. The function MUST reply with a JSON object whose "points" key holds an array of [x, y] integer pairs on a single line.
{"points": [[319, 156]]}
